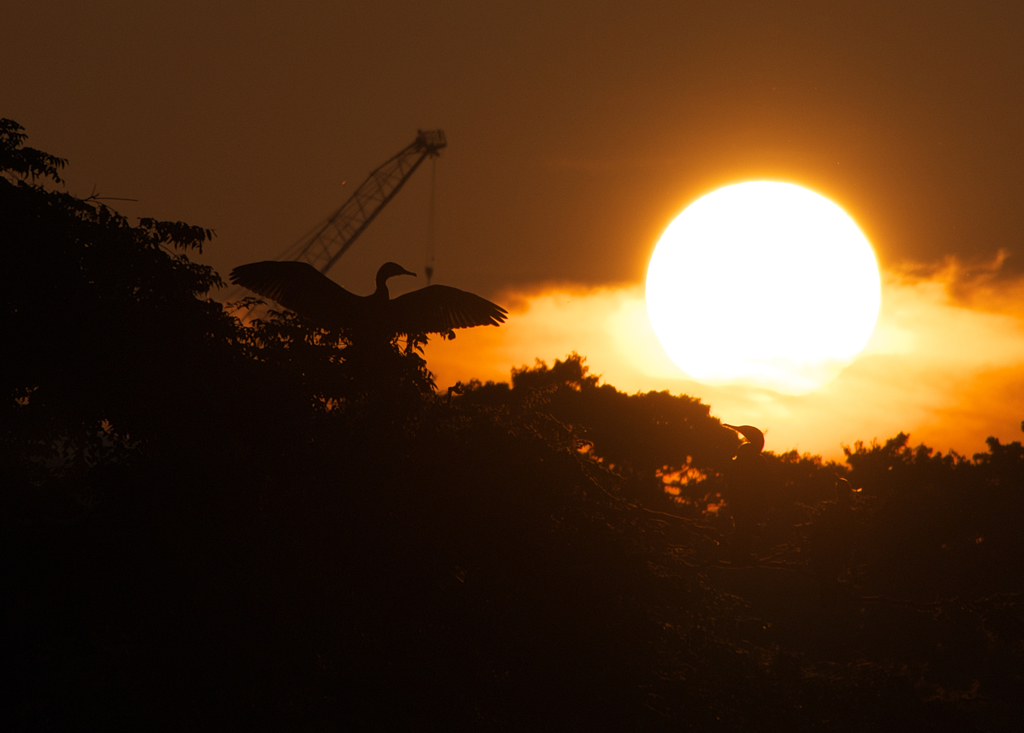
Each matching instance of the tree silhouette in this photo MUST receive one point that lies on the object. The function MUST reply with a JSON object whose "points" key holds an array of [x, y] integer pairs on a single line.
{"points": [[645, 437], [207, 526]]}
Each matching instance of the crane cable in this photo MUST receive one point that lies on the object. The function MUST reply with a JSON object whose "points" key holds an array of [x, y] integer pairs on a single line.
{"points": [[429, 268]]}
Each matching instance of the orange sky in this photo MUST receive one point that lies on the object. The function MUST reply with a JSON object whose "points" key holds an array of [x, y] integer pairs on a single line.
{"points": [[950, 373], [577, 131]]}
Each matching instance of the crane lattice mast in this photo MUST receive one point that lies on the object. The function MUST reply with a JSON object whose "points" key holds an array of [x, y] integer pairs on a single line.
{"points": [[332, 238]]}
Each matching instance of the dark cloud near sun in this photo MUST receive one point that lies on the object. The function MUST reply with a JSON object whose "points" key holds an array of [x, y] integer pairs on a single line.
{"points": [[990, 284]]}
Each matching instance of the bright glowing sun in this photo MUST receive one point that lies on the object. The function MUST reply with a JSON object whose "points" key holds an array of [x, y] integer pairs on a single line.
{"points": [[766, 284]]}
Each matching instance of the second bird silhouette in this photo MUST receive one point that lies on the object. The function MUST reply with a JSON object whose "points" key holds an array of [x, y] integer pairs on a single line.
{"points": [[300, 287]]}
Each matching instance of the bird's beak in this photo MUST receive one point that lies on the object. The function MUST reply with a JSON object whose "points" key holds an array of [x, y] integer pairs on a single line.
{"points": [[406, 272]]}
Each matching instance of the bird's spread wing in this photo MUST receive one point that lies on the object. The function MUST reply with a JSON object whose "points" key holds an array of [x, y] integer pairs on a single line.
{"points": [[440, 309], [300, 287]]}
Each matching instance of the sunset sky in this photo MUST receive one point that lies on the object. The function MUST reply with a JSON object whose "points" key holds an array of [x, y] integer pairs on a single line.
{"points": [[577, 131]]}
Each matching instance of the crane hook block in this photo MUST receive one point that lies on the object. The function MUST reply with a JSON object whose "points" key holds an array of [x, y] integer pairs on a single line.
{"points": [[431, 141]]}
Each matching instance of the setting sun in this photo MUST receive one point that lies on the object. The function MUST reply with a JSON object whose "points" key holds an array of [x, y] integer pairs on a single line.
{"points": [[765, 284]]}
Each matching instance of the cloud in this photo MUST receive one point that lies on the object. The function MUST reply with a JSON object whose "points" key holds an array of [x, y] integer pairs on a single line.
{"points": [[945, 363]]}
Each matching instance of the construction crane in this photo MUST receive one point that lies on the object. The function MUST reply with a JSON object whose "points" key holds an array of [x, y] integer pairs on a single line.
{"points": [[331, 238]]}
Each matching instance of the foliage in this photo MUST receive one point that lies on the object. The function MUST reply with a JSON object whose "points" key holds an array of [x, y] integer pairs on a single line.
{"points": [[102, 316], [215, 526], [19, 161], [644, 437]]}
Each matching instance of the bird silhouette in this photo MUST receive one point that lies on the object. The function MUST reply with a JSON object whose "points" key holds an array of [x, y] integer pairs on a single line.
{"points": [[753, 435], [746, 491], [300, 287], [831, 543]]}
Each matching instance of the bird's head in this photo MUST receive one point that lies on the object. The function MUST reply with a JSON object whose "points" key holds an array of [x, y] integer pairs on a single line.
{"points": [[754, 436], [389, 270], [845, 491]]}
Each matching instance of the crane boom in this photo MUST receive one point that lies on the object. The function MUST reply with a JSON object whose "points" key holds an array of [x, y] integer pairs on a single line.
{"points": [[332, 238]]}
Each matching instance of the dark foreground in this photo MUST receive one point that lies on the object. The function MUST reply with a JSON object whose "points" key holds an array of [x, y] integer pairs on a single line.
{"points": [[210, 527]]}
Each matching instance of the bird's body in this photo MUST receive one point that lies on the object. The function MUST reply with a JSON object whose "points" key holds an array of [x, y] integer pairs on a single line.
{"points": [[831, 544], [747, 490], [299, 287]]}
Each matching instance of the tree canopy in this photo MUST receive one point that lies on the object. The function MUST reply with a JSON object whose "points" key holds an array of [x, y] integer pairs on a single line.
{"points": [[217, 525]]}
